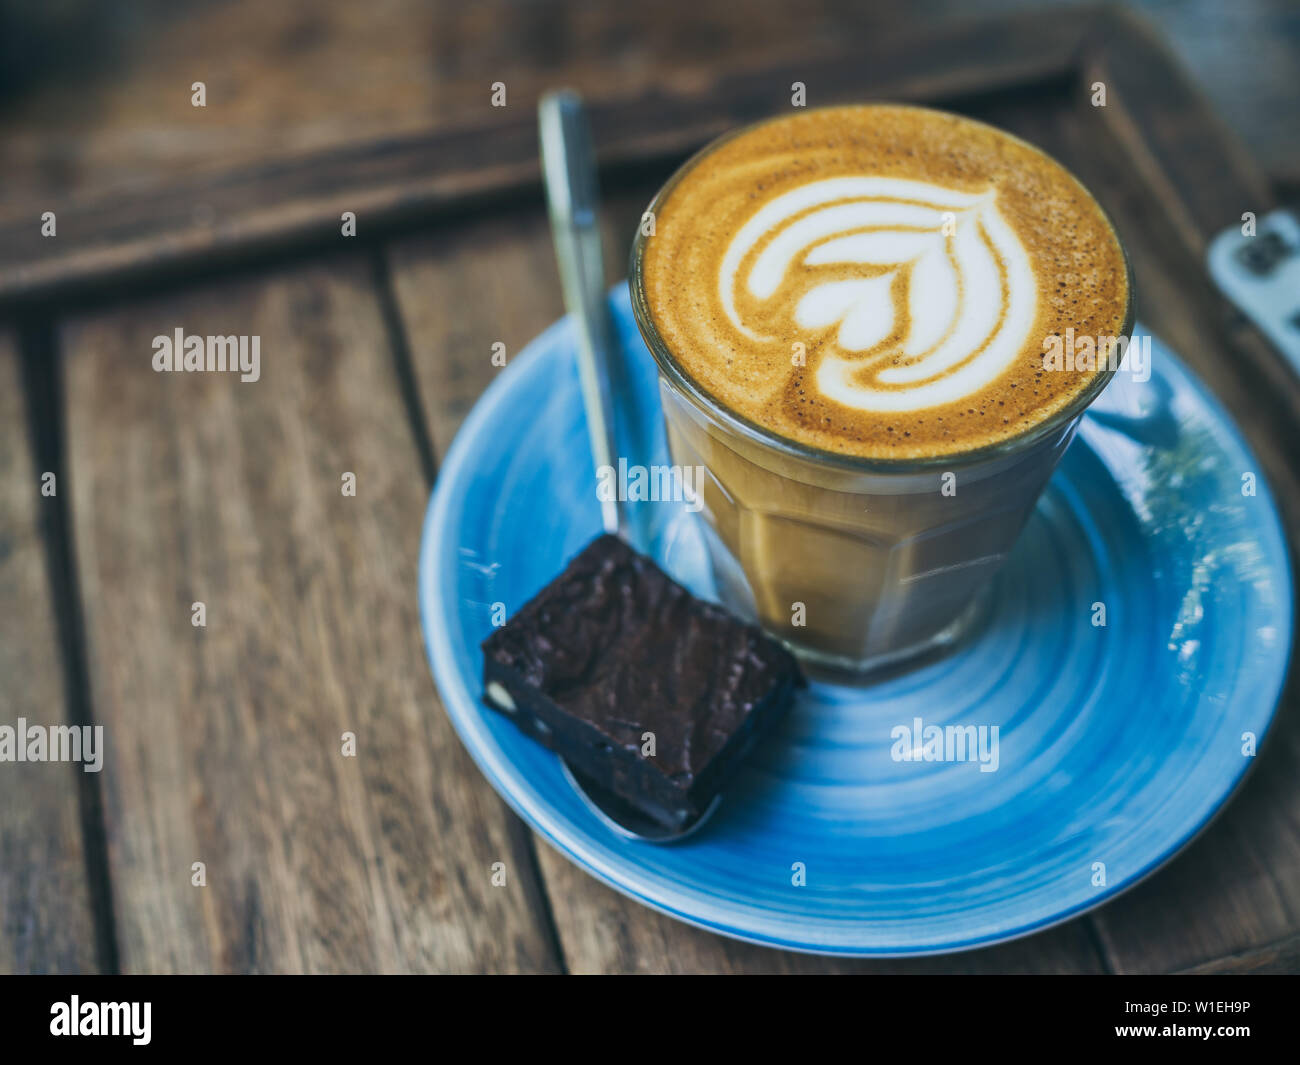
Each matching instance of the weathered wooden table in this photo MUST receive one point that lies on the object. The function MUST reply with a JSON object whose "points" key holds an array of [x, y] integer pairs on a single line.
{"points": [[224, 741]]}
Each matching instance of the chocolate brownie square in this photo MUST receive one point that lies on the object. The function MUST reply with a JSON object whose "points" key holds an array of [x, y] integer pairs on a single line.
{"points": [[643, 688]]}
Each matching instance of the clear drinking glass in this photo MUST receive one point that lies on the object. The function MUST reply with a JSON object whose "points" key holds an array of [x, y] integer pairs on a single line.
{"points": [[856, 563]]}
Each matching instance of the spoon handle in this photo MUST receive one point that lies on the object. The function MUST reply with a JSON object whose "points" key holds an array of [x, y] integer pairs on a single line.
{"points": [[617, 428]]}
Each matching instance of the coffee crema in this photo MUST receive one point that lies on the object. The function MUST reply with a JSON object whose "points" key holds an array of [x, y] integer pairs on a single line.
{"points": [[881, 280]]}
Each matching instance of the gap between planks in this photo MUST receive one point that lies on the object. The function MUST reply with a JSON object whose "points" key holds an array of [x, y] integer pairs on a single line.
{"points": [[43, 388], [404, 368]]}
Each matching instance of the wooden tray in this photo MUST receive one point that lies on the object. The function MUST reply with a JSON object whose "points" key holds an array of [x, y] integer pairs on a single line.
{"points": [[224, 742]]}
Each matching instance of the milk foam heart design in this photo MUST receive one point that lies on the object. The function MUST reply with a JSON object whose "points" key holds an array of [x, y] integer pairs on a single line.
{"points": [[943, 299], [879, 281]]}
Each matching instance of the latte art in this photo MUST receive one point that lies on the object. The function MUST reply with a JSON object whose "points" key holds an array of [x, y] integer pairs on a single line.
{"points": [[879, 280], [932, 293]]}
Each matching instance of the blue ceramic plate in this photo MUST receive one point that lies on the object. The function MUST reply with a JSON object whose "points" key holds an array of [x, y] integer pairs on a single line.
{"points": [[1116, 743]]}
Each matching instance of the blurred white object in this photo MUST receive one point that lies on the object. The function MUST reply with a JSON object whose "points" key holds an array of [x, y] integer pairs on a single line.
{"points": [[1261, 275]]}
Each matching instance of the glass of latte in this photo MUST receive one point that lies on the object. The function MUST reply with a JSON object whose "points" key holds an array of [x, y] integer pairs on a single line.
{"points": [[851, 309]]}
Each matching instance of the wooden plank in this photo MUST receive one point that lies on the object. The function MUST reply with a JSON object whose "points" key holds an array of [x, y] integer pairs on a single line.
{"points": [[226, 741], [605, 932], [107, 99], [1170, 133], [306, 76], [1281, 957], [297, 201], [1159, 143], [1237, 888], [45, 915], [1244, 55], [494, 280]]}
